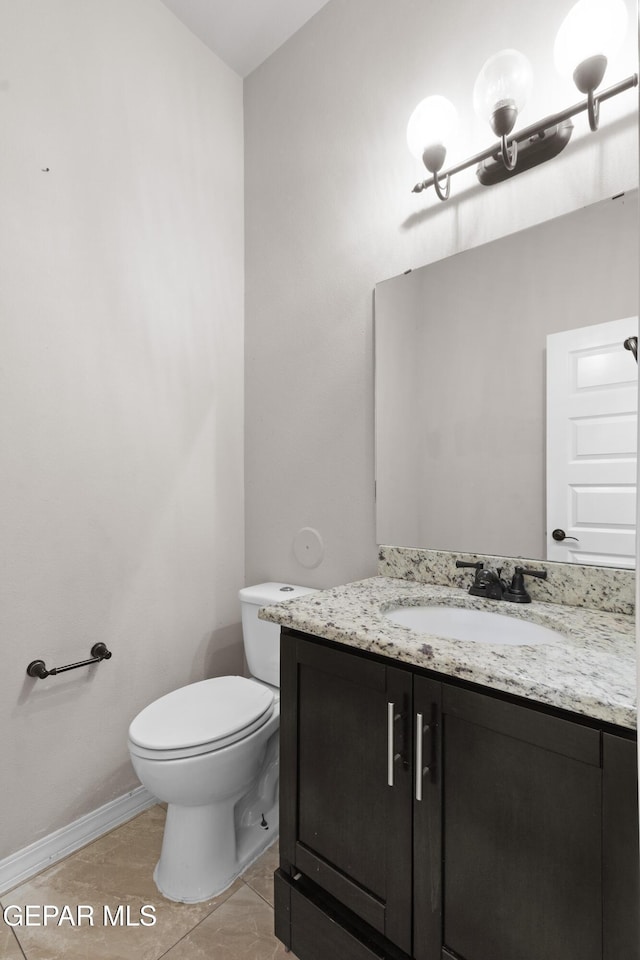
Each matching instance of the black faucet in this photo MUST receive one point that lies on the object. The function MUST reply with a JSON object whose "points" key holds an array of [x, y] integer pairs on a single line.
{"points": [[488, 584]]}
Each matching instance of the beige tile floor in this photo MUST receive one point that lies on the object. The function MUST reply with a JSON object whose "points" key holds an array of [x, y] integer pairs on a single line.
{"points": [[117, 870]]}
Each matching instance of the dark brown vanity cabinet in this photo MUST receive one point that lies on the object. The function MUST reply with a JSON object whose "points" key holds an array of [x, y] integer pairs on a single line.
{"points": [[425, 819], [341, 825], [522, 832]]}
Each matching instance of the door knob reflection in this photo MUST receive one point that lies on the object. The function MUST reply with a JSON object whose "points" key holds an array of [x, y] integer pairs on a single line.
{"points": [[560, 535]]}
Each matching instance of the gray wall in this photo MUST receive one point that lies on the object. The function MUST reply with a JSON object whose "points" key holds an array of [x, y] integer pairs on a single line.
{"points": [[121, 346], [329, 213]]}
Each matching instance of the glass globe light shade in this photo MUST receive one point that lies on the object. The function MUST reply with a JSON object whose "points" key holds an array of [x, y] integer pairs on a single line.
{"points": [[430, 125], [505, 82], [592, 28]]}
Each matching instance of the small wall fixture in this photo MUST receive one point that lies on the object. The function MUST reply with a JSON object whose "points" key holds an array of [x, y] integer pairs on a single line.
{"points": [[38, 669], [590, 34]]}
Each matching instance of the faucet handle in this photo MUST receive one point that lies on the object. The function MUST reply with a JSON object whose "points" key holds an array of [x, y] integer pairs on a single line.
{"points": [[517, 592], [477, 566], [485, 583], [540, 574]]}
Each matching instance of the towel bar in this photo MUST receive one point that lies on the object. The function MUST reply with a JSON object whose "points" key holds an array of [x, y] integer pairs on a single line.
{"points": [[38, 669]]}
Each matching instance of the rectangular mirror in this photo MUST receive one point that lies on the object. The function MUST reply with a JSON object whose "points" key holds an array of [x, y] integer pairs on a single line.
{"points": [[461, 385]]}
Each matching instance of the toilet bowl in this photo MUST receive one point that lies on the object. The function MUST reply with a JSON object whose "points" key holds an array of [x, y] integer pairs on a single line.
{"points": [[210, 751]]}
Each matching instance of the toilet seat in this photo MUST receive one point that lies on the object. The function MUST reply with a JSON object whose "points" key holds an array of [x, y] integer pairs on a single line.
{"points": [[200, 718]]}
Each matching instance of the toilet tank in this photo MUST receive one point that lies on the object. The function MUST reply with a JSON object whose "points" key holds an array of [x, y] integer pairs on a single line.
{"points": [[262, 639]]}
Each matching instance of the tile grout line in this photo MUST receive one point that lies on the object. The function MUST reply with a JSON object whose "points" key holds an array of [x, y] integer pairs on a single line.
{"points": [[245, 884], [257, 892], [19, 945], [173, 945], [199, 923], [15, 935]]}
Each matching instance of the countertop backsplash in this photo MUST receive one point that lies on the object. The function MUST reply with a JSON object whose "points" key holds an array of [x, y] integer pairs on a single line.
{"points": [[609, 589]]}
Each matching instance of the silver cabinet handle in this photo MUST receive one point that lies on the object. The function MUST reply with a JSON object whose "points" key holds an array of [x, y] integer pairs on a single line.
{"points": [[421, 728], [392, 716]]}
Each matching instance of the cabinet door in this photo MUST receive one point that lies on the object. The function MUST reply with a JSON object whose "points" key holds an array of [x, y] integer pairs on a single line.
{"points": [[346, 781], [620, 823], [522, 848], [427, 819]]}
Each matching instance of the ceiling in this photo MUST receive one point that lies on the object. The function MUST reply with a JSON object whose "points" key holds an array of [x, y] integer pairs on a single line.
{"points": [[243, 33]]}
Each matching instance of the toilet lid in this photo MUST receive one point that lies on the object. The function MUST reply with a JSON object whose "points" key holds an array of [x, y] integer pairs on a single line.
{"points": [[213, 710]]}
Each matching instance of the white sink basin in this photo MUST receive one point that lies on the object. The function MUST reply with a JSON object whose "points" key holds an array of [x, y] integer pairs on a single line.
{"points": [[480, 626]]}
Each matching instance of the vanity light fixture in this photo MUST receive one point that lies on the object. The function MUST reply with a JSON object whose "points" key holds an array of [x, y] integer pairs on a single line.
{"points": [[429, 127], [502, 89], [590, 34]]}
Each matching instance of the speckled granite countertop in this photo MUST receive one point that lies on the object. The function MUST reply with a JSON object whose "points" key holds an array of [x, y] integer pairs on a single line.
{"points": [[591, 670]]}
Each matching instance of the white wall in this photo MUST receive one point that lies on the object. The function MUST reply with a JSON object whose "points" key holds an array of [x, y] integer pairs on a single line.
{"points": [[121, 407], [329, 213]]}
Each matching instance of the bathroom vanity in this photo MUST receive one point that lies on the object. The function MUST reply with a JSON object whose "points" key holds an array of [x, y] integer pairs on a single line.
{"points": [[451, 800]]}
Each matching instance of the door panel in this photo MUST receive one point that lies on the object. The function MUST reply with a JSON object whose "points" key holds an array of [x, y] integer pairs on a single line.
{"points": [[620, 879], [351, 834], [592, 400], [336, 716], [522, 842]]}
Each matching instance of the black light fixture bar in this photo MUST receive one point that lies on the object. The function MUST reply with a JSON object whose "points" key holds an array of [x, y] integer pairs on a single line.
{"points": [[527, 133]]}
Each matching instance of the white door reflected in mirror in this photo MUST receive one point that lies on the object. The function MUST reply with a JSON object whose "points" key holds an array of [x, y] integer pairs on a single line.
{"points": [[592, 403]]}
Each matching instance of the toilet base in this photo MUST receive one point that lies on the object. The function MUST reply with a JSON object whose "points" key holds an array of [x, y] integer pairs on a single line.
{"points": [[204, 850]]}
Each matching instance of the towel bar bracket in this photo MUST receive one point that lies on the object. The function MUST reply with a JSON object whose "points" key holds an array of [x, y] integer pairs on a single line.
{"points": [[38, 669]]}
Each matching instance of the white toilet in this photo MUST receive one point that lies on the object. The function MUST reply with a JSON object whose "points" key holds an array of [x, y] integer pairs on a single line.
{"points": [[210, 751]]}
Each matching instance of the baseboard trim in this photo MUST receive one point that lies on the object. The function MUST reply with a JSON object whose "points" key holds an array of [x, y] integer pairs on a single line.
{"points": [[29, 861]]}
